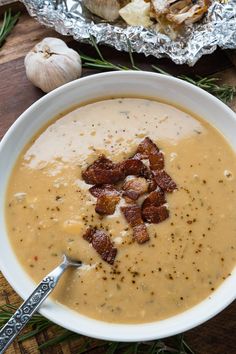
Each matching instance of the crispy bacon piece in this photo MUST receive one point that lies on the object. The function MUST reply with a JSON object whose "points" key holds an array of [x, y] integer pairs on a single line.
{"points": [[135, 187], [132, 214], [156, 161], [97, 191], [147, 148], [106, 204], [153, 210], [103, 171], [108, 198], [102, 244], [134, 218], [155, 198], [140, 233], [154, 214], [133, 167], [164, 181]]}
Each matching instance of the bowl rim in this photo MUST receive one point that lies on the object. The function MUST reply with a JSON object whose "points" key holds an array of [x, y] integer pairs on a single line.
{"points": [[99, 329]]}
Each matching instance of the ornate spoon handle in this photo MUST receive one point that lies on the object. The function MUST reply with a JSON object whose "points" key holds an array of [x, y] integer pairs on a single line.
{"points": [[20, 318]]}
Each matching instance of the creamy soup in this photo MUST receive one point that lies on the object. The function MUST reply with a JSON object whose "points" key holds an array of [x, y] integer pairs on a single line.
{"points": [[49, 208]]}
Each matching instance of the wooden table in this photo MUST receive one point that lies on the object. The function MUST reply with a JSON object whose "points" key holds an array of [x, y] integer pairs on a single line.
{"points": [[217, 336]]}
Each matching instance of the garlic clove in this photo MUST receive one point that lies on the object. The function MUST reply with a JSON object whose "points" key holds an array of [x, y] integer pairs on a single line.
{"points": [[51, 63]]}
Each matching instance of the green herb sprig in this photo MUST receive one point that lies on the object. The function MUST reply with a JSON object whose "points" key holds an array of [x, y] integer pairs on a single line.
{"points": [[224, 92], [38, 323], [102, 63], [9, 22]]}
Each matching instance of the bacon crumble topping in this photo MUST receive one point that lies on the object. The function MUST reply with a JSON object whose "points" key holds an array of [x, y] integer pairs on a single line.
{"points": [[103, 171], [97, 191], [106, 204], [133, 216], [154, 214], [107, 198], [102, 244], [153, 181], [155, 198], [164, 181], [153, 208], [156, 161], [133, 167], [140, 233], [147, 148]]}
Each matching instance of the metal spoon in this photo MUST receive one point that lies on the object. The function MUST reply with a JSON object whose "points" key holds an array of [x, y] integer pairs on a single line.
{"points": [[20, 318]]}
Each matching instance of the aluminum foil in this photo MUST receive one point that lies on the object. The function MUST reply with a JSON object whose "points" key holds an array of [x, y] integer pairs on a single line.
{"points": [[69, 17]]}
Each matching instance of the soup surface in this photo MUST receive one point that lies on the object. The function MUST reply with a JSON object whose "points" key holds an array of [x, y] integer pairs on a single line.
{"points": [[49, 208]]}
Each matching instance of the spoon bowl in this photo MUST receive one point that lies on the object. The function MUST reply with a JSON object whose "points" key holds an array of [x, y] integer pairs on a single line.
{"points": [[24, 313]]}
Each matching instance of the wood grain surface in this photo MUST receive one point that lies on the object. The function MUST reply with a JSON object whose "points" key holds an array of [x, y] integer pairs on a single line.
{"points": [[217, 336]]}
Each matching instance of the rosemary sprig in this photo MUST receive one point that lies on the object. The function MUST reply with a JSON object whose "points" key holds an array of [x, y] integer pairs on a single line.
{"points": [[38, 323], [224, 92], [101, 62], [9, 22]]}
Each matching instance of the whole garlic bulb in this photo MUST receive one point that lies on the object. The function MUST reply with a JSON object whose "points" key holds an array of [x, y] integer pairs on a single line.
{"points": [[51, 63]]}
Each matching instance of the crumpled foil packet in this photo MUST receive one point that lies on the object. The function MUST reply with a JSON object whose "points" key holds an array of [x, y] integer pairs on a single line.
{"points": [[69, 17]]}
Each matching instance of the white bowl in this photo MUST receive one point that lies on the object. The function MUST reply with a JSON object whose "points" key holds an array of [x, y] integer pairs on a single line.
{"points": [[82, 90]]}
